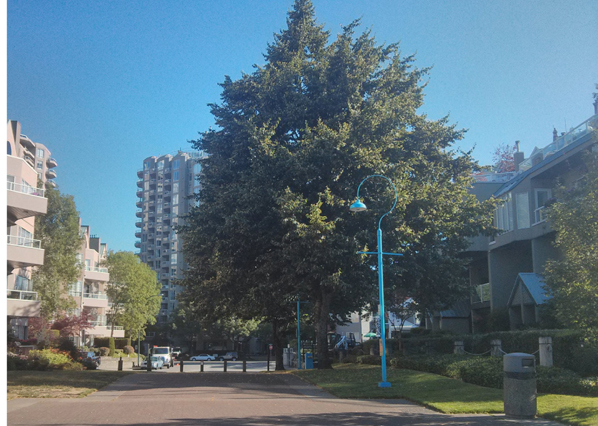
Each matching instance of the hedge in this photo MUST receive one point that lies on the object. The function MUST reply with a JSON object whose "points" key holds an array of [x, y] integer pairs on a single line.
{"points": [[571, 349], [488, 371], [119, 342]]}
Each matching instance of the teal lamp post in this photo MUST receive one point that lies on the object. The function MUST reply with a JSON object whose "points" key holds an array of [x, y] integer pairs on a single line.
{"points": [[358, 206]]}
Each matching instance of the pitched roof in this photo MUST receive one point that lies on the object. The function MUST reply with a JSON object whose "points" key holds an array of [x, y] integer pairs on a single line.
{"points": [[534, 290]]}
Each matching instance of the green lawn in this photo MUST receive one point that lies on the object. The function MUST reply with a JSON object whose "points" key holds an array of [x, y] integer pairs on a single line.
{"points": [[58, 384], [441, 393]]}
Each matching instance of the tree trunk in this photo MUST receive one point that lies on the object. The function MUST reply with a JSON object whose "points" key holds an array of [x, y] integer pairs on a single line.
{"points": [[322, 311], [277, 342]]}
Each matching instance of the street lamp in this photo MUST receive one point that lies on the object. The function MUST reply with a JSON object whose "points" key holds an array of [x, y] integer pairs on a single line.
{"points": [[358, 206]]}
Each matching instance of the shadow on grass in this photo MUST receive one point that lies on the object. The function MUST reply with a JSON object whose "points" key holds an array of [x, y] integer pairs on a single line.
{"points": [[76, 379]]}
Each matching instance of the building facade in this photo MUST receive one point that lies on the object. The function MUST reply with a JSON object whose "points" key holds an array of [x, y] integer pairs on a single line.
{"points": [[506, 270], [26, 163], [165, 188], [89, 292]]}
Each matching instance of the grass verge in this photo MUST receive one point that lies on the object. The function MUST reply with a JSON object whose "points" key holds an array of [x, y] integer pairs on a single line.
{"points": [[442, 394], [58, 384]]}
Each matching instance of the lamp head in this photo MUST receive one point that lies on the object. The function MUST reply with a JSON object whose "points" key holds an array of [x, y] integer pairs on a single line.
{"points": [[357, 206]]}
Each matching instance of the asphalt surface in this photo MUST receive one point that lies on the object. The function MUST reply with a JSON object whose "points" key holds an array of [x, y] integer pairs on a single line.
{"points": [[217, 399]]}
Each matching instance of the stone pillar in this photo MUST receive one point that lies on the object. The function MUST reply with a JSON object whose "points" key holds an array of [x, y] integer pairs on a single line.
{"points": [[545, 351], [496, 348], [459, 347]]}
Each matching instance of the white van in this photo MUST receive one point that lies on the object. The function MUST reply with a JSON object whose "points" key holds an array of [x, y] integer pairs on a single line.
{"points": [[164, 353]]}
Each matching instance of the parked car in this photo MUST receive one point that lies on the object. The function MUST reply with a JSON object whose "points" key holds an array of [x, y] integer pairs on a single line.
{"points": [[91, 357], [157, 362], [164, 353], [230, 356], [203, 357]]}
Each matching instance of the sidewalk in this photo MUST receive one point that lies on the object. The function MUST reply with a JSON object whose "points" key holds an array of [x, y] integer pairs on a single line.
{"points": [[219, 399]]}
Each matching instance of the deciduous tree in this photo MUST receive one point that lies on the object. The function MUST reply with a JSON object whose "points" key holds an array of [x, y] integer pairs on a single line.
{"points": [[58, 231]]}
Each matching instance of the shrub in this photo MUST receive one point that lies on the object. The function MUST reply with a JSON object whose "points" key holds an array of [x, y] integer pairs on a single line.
{"points": [[369, 359], [89, 364], [112, 347], [128, 350], [349, 359], [69, 347], [52, 359], [104, 351]]}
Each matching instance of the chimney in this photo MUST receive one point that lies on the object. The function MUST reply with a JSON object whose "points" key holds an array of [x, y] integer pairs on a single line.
{"points": [[555, 134], [518, 156]]}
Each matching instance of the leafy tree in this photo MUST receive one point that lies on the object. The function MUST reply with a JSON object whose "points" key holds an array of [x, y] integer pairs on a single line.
{"points": [[573, 280], [72, 325], [134, 292], [233, 329], [58, 231], [295, 138], [503, 158], [184, 326]]}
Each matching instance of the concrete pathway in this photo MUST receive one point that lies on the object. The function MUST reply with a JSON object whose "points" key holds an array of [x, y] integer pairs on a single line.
{"points": [[218, 399]]}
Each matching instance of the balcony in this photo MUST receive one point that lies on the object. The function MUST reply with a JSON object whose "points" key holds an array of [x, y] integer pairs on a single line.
{"points": [[95, 300], [139, 203], [139, 224], [51, 162], [140, 173], [96, 274], [22, 252], [51, 183], [26, 142], [137, 234], [140, 183], [50, 174], [24, 201], [22, 303], [137, 244], [105, 330], [139, 193], [540, 215], [139, 213], [481, 293]]}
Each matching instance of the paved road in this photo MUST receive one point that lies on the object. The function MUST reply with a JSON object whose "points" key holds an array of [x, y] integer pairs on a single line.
{"points": [[218, 399]]}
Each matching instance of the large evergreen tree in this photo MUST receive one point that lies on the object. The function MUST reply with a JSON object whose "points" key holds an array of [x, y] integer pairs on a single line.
{"points": [[58, 231], [294, 140]]}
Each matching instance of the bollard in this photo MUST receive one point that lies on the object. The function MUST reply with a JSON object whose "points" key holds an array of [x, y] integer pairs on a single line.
{"points": [[225, 366], [546, 351], [244, 366], [519, 385], [120, 364], [201, 367], [181, 365], [149, 363], [459, 347], [495, 348]]}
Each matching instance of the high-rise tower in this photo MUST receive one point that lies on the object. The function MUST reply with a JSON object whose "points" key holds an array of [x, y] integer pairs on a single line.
{"points": [[164, 191]]}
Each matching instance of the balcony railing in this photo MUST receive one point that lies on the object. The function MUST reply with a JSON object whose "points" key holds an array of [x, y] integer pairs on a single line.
{"points": [[568, 138], [21, 294], [481, 293], [96, 269], [25, 189], [540, 214], [23, 242], [95, 296]]}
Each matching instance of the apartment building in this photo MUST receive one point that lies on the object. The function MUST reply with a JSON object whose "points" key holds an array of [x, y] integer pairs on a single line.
{"points": [[26, 161], [89, 292], [164, 191], [506, 270]]}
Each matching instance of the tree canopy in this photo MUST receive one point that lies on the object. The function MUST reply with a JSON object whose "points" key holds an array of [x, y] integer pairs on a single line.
{"points": [[58, 231], [134, 292], [294, 140]]}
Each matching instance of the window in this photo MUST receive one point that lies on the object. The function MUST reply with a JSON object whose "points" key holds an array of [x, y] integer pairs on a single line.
{"points": [[80, 259], [175, 175], [39, 176], [146, 186], [144, 237], [159, 208], [23, 283], [176, 164], [40, 164], [196, 168], [173, 271], [158, 243], [173, 259], [504, 215], [175, 209], [24, 236], [172, 246], [147, 165], [175, 199], [175, 187], [40, 153], [522, 204], [8, 148], [88, 264], [161, 165]]}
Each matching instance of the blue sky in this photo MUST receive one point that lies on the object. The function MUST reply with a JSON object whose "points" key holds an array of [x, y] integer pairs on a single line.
{"points": [[106, 84]]}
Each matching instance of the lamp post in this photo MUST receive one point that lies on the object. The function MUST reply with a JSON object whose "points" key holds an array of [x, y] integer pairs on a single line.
{"points": [[358, 206]]}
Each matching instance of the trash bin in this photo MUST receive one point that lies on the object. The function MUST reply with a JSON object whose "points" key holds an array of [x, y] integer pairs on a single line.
{"points": [[309, 361], [519, 384]]}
